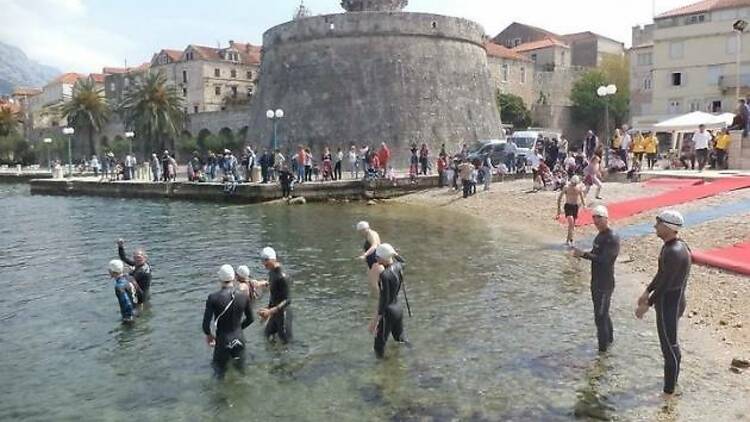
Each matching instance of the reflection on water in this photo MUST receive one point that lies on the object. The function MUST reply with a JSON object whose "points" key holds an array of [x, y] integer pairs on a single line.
{"points": [[502, 327]]}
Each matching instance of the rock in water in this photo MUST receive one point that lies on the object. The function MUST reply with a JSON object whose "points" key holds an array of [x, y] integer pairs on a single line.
{"points": [[300, 200], [740, 363], [371, 202]]}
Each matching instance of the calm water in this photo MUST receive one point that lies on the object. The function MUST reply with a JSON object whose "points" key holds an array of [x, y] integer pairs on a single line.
{"points": [[502, 328]]}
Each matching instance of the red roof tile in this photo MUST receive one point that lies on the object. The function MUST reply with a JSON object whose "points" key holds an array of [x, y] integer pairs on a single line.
{"points": [[97, 77], [115, 70], [536, 45], [26, 91], [496, 50], [703, 6], [67, 78]]}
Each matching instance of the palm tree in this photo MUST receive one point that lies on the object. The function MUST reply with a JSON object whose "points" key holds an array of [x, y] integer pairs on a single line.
{"points": [[153, 108], [9, 120], [87, 109]]}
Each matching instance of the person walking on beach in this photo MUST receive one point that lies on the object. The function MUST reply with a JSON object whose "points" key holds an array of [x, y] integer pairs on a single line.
{"points": [[389, 319], [701, 141], [574, 200], [591, 144], [651, 148], [123, 290], [666, 293], [593, 174], [466, 171], [231, 313], [603, 257], [141, 272], [278, 314]]}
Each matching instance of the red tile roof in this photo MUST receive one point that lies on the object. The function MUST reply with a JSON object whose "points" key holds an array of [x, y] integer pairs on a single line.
{"points": [[249, 54], [67, 78], [536, 45], [496, 50], [97, 77], [26, 91], [703, 6], [115, 70]]}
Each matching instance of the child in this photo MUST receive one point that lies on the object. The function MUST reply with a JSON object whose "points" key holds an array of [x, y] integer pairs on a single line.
{"points": [[391, 175], [123, 290]]}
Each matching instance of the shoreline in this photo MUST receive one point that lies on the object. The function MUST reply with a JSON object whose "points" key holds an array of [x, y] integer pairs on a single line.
{"points": [[716, 319]]}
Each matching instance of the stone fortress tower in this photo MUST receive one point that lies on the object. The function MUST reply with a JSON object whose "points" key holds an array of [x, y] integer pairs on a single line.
{"points": [[375, 74]]}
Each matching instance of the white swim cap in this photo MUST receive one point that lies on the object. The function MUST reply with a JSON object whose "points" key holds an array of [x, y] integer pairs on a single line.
{"points": [[385, 251], [363, 225], [268, 254], [672, 219], [243, 271], [600, 211], [226, 273], [116, 266], [575, 180]]}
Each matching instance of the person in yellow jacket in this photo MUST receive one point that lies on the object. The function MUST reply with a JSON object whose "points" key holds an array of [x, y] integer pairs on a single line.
{"points": [[722, 147], [650, 146], [638, 147]]}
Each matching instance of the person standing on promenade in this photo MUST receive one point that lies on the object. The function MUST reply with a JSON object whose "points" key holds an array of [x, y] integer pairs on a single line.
{"points": [[701, 140], [626, 144], [384, 156], [353, 162], [466, 171], [723, 141], [225, 310], [574, 200], [389, 319], [424, 159], [339, 159], [651, 148], [510, 155], [141, 272], [591, 144], [667, 293], [155, 167], [123, 290], [603, 257], [286, 178], [278, 314]]}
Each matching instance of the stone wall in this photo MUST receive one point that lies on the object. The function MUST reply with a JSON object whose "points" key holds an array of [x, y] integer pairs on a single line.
{"points": [[374, 77]]}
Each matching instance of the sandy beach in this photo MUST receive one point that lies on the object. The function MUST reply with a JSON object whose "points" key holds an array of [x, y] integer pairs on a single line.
{"points": [[718, 302]]}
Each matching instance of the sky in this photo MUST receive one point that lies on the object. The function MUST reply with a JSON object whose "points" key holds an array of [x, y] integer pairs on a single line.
{"points": [[86, 35]]}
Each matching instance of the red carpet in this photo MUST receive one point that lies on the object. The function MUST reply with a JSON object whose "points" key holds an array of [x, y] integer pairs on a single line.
{"points": [[681, 195], [735, 258], [673, 183]]}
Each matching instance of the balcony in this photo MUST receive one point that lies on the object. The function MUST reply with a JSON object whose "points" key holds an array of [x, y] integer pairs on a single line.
{"points": [[729, 83]]}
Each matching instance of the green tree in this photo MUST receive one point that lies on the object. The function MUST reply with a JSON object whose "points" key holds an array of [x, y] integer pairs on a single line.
{"points": [[9, 121], [87, 110], [153, 109], [589, 108], [513, 110]]}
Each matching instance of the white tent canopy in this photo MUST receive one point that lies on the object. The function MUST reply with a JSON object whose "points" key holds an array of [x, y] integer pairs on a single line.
{"points": [[690, 122]]}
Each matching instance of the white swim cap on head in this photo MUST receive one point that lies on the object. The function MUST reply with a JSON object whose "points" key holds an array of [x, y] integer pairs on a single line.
{"points": [[363, 225], [672, 219], [226, 273], [385, 251], [243, 271], [600, 211], [268, 253], [116, 266], [575, 180]]}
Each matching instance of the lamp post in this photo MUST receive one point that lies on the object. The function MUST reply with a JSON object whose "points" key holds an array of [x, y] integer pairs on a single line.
{"points": [[129, 136], [48, 143], [275, 116], [69, 131], [739, 27], [605, 92]]}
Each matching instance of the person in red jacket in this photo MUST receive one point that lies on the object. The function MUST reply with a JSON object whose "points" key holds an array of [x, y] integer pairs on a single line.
{"points": [[384, 155]]}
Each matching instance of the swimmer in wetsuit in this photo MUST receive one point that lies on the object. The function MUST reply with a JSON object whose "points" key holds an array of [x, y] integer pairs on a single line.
{"points": [[372, 241], [246, 285], [389, 319], [574, 200], [123, 290], [603, 257], [227, 307], [666, 293], [141, 272], [278, 314]]}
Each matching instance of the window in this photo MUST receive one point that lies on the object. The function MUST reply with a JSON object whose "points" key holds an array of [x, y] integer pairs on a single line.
{"points": [[534, 57], [714, 75], [184, 76], [189, 55], [184, 92], [250, 74], [695, 105], [674, 107], [645, 59], [690, 20], [523, 75], [505, 73], [716, 106], [112, 86], [647, 84], [217, 73], [234, 92], [217, 90], [677, 79], [676, 50], [195, 109], [249, 91], [233, 73], [516, 42]]}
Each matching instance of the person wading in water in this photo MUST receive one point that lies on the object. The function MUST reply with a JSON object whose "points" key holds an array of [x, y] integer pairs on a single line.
{"points": [[372, 241], [278, 314], [389, 319], [574, 200], [141, 272], [603, 257], [226, 309], [666, 293], [123, 290]]}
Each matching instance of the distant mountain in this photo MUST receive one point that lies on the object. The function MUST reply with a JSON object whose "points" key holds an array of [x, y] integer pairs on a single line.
{"points": [[17, 70]]}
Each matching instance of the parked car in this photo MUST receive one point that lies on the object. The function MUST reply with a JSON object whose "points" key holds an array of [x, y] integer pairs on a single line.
{"points": [[495, 149], [526, 139]]}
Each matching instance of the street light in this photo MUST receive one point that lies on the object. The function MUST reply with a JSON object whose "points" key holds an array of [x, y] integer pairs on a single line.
{"points": [[604, 92], [275, 116], [69, 131], [48, 142], [129, 136], [739, 27]]}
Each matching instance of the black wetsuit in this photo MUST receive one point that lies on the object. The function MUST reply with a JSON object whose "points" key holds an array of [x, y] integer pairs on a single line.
{"points": [[371, 258], [229, 306], [141, 274], [279, 323], [390, 312], [668, 298], [603, 256]]}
